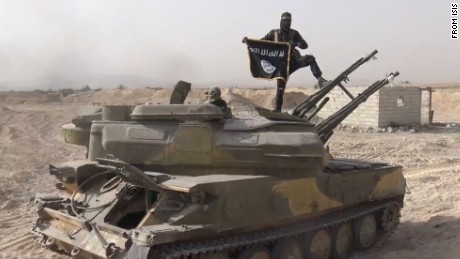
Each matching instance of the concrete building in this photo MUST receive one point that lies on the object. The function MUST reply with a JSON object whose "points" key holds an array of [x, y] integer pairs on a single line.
{"points": [[388, 106]]}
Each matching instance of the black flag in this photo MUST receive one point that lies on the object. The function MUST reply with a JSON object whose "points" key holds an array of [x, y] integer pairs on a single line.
{"points": [[269, 59]]}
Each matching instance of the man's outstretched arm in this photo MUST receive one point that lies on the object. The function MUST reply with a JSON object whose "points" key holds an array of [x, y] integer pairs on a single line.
{"points": [[270, 36]]}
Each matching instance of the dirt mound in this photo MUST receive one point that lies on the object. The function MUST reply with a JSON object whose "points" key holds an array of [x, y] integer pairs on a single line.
{"points": [[4, 109], [233, 96], [50, 98], [236, 99], [445, 105], [128, 96], [292, 99], [20, 97], [264, 97]]}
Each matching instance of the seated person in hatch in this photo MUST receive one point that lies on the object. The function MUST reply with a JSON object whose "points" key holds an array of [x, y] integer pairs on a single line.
{"points": [[214, 97]]}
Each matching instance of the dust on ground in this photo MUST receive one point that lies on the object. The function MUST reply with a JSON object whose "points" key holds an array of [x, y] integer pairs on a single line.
{"points": [[430, 225]]}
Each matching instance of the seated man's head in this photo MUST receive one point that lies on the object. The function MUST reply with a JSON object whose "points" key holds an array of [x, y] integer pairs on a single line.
{"points": [[285, 23], [213, 93]]}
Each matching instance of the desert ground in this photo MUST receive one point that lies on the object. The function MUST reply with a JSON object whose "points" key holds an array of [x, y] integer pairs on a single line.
{"points": [[30, 139]]}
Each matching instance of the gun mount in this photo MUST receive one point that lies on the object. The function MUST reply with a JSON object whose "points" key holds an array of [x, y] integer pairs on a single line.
{"points": [[305, 106], [326, 127]]}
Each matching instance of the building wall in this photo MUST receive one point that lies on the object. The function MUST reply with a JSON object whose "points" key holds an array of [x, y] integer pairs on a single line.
{"points": [[381, 109], [365, 115], [425, 107], [400, 105]]}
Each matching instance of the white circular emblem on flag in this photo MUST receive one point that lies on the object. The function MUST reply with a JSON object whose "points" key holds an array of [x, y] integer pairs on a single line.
{"points": [[267, 67]]}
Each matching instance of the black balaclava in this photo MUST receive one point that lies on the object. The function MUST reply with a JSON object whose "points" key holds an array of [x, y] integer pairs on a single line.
{"points": [[285, 23]]}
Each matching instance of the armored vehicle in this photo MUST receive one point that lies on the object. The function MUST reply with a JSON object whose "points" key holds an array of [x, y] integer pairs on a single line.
{"points": [[182, 181]]}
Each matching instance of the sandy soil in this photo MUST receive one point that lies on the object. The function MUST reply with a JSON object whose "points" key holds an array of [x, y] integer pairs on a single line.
{"points": [[430, 226]]}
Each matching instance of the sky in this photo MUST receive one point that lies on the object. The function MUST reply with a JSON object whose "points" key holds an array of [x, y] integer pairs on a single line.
{"points": [[77, 42]]}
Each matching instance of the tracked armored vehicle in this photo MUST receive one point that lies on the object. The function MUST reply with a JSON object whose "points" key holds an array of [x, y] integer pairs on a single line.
{"points": [[182, 181]]}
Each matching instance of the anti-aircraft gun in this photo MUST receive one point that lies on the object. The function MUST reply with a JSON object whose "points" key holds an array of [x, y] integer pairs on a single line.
{"points": [[305, 106], [183, 181], [317, 101], [326, 127]]}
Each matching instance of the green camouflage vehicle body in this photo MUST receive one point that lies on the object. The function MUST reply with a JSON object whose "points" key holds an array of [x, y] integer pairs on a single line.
{"points": [[182, 181]]}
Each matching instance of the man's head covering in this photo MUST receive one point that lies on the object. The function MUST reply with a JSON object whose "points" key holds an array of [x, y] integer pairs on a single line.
{"points": [[213, 92], [286, 15]]}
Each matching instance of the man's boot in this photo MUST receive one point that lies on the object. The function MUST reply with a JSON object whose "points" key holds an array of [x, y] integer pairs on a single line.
{"points": [[322, 82]]}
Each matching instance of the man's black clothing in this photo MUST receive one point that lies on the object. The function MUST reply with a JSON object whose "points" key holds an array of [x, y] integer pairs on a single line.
{"points": [[220, 103], [291, 36], [297, 61]]}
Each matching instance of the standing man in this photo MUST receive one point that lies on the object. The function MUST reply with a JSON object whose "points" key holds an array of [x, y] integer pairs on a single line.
{"points": [[291, 36]]}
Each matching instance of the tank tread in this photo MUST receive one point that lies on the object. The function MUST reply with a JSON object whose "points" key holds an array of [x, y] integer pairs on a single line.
{"points": [[239, 242]]}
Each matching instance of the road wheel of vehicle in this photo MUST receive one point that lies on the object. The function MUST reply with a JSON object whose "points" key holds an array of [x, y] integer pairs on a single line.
{"points": [[342, 241], [365, 229], [287, 249], [390, 218], [255, 253], [318, 245], [215, 256]]}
